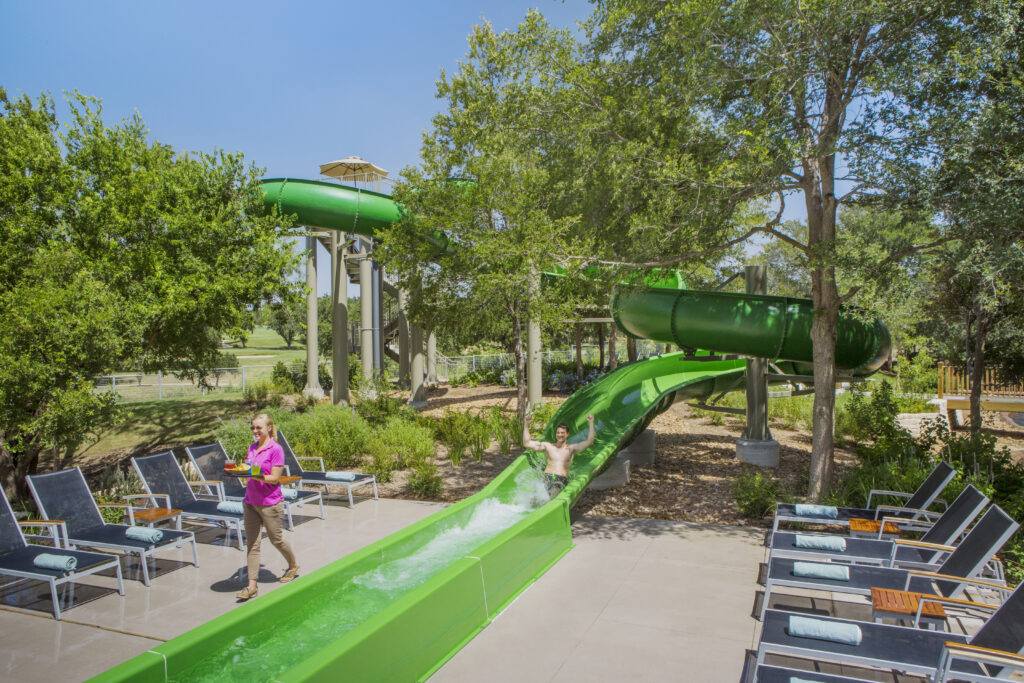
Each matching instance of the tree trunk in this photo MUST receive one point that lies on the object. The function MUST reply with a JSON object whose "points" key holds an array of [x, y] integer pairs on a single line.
{"points": [[579, 350], [13, 474], [976, 367], [613, 360], [631, 351], [600, 344]]}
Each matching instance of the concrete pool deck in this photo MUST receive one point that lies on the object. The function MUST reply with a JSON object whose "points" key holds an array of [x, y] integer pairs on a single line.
{"points": [[635, 599]]}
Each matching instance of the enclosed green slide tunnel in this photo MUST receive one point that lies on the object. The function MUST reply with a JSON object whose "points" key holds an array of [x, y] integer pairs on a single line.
{"points": [[773, 327]]}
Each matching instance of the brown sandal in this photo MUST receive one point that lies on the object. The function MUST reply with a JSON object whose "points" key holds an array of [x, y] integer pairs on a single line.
{"points": [[247, 593], [290, 575]]}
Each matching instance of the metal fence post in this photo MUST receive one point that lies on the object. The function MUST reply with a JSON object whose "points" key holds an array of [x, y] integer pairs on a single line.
{"points": [[113, 384], [243, 379], [160, 384]]}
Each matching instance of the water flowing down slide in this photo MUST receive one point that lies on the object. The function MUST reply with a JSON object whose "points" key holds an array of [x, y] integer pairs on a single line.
{"points": [[399, 608]]}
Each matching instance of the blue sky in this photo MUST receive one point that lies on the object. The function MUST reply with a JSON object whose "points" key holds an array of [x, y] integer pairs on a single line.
{"points": [[290, 84]]}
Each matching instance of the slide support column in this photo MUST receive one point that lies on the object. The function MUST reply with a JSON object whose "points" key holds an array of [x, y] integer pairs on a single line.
{"points": [[312, 387], [757, 446], [431, 358], [339, 319], [365, 310]]}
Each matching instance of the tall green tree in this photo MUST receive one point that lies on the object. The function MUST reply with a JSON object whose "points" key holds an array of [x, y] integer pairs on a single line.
{"points": [[810, 100], [117, 252], [481, 210]]}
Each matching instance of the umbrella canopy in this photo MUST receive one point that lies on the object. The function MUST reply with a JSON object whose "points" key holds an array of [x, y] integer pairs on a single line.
{"points": [[353, 168]]}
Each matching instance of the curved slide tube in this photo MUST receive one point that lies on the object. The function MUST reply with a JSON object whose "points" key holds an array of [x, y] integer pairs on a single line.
{"points": [[375, 635]]}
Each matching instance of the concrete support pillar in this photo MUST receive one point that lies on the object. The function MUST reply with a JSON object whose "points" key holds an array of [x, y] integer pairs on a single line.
{"points": [[312, 387], [339, 319], [534, 365], [378, 317], [365, 311], [403, 340], [431, 358], [417, 366], [757, 446]]}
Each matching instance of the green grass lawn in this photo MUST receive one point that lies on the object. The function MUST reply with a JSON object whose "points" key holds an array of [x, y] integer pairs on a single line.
{"points": [[269, 347], [152, 425]]}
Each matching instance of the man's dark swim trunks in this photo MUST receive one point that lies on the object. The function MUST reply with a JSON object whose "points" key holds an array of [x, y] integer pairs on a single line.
{"points": [[555, 483]]}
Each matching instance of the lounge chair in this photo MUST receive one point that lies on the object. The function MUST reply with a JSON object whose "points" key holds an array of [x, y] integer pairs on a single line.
{"points": [[294, 467], [162, 478], [957, 571], [923, 554], [65, 496], [916, 506], [209, 461], [987, 655], [17, 556]]}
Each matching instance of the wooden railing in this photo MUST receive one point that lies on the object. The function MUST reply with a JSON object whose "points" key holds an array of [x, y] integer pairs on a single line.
{"points": [[955, 381]]}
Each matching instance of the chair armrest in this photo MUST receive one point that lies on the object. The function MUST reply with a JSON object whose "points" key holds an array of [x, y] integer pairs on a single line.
{"points": [[973, 653], [898, 522], [922, 544], [218, 486], [882, 492], [58, 530], [312, 457], [113, 505], [981, 583], [922, 600], [152, 497], [916, 511]]}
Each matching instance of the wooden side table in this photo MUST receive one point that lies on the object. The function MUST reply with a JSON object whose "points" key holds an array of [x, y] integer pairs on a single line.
{"points": [[150, 516], [903, 605], [868, 528]]}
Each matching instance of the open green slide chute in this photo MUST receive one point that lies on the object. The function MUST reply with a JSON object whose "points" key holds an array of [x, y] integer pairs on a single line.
{"points": [[361, 631]]}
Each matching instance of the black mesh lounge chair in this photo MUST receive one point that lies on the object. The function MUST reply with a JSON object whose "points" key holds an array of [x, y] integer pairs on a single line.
{"points": [[17, 556], [162, 478], [995, 647], [957, 571], [292, 465], [65, 496], [916, 506], [209, 461], [923, 554]]}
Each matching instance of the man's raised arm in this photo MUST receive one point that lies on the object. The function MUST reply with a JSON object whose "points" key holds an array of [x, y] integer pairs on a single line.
{"points": [[584, 445], [528, 441]]}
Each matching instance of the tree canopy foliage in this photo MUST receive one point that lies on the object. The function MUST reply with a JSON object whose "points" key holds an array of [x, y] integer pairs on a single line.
{"points": [[118, 252]]}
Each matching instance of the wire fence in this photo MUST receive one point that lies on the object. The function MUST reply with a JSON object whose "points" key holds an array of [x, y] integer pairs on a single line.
{"points": [[226, 382]]}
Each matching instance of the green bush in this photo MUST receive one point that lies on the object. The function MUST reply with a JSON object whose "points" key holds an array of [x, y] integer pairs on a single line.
{"points": [[406, 441], [456, 429], [382, 462], [501, 428], [292, 380], [919, 375], [543, 413], [424, 480], [337, 434], [756, 493]]}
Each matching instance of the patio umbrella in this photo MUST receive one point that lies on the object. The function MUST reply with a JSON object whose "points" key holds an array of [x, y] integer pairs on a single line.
{"points": [[353, 168]]}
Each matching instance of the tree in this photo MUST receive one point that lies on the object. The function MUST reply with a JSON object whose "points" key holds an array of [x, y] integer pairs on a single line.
{"points": [[117, 253], [481, 210], [288, 319], [805, 98]]}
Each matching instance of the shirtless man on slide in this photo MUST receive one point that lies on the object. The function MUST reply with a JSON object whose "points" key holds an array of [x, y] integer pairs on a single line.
{"points": [[559, 454]]}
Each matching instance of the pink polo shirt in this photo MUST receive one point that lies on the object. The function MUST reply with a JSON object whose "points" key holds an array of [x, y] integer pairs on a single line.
{"points": [[258, 492]]}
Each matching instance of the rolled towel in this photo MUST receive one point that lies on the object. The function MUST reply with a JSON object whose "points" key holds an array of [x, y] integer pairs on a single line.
{"points": [[290, 494], [821, 570], [143, 533], [62, 563], [835, 631], [836, 543], [804, 510], [341, 476], [230, 507]]}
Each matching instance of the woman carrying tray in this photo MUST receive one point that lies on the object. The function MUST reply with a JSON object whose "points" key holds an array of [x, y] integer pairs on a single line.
{"points": [[264, 502]]}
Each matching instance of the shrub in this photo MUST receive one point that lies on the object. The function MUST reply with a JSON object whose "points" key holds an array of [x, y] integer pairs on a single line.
{"points": [[335, 433], [455, 429], [543, 414], [406, 440], [257, 393], [424, 480], [375, 404], [114, 484], [382, 462], [292, 380], [756, 493], [918, 375], [500, 426]]}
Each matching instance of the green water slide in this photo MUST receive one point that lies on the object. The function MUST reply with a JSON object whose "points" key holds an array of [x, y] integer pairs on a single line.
{"points": [[394, 611]]}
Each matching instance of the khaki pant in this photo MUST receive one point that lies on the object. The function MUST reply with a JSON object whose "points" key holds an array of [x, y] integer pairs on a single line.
{"points": [[258, 517]]}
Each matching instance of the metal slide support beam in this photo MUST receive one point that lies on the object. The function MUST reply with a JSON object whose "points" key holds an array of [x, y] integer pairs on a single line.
{"points": [[365, 310], [312, 387], [417, 390], [339, 319], [431, 358], [757, 446], [378, 318], [403, 339], [534, 388]]}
